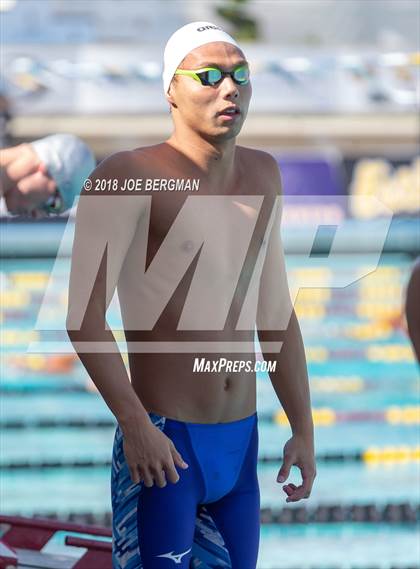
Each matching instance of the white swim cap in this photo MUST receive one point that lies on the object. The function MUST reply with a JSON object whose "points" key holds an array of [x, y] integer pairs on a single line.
{"points": [[186, 39], [68, 160]]}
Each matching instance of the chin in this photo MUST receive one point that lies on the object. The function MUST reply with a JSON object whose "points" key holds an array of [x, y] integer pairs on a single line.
{"points": [[227, 132], [231, 132], [221, 136]]}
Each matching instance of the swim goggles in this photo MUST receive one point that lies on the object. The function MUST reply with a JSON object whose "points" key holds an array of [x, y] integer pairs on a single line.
{"points": [[212, 75]]}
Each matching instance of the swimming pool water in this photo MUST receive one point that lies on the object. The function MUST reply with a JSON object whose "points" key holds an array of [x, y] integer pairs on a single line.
{"points": [[337, 350]]}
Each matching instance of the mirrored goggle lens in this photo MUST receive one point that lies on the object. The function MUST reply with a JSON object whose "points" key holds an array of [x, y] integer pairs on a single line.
{"points": [[213, 76], [241, 74]]}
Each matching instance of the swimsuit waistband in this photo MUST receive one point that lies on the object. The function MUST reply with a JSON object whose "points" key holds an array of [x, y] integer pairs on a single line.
{"points": [[178, 423]]}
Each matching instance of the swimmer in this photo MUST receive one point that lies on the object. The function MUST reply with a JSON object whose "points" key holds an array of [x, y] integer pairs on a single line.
{"points": [[189, 270], [43, 177]]}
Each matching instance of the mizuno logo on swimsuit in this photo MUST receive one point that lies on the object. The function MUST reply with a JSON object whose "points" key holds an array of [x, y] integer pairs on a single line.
{"points": [[176, 557], [204, 28]]}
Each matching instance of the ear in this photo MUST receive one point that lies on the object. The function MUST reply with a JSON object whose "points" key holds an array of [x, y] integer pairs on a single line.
{"points": [[169, 97]]}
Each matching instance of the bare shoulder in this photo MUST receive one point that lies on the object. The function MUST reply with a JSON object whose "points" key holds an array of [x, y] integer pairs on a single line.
{"points": [[120, 161], [112, 179], [109, 168], [263, 165], [112, 173]]}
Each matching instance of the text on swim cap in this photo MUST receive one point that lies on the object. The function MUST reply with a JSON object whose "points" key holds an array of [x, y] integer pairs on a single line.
{"points": [[203, 28]]}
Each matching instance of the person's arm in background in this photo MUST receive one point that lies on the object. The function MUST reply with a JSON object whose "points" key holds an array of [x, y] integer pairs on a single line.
{"points": [[105, 226], [24, 179], [16, 163], [44, 177], [7, 156], [277, 322], [412, 303]]}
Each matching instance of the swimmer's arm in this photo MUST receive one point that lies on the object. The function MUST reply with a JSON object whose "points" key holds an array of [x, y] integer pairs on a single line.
{"points": [[277, 322], [105, 226]]}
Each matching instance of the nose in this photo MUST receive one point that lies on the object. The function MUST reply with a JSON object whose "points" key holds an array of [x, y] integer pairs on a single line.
{"points": [[229, 87]]}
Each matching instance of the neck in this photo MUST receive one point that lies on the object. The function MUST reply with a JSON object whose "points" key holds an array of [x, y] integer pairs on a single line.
{"points": [[214, 158]]}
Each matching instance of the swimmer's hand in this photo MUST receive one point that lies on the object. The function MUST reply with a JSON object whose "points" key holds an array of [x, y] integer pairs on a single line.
{"points": [[151, 456], [299, 451]]}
